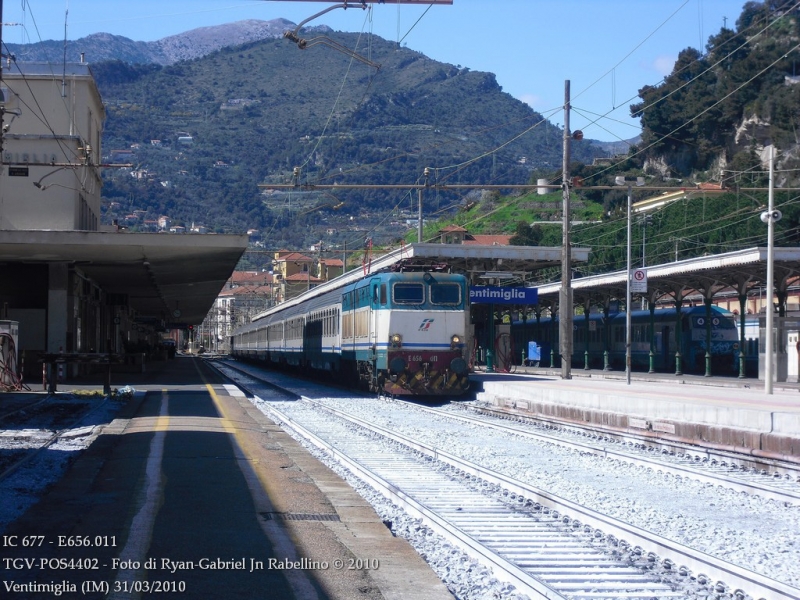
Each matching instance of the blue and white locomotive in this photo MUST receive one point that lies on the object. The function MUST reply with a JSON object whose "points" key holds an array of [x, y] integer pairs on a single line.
{"points": [[400, 333]]}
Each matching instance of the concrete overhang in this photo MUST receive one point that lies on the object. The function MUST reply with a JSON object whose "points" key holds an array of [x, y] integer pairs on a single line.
{"points": [[740, 268], [471, 260], [476, 260], [157, 273]]}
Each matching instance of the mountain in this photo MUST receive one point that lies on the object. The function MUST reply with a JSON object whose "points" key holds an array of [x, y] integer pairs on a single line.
{"points": [[202, 134], [189, 45], [713, 120]]}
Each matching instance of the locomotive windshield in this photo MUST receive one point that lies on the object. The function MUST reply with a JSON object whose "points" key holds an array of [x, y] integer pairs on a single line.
{"points": [[445, 293], [408, 293]]}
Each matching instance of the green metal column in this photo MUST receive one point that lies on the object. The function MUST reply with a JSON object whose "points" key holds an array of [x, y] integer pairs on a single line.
{"points": [[490, 342], [652, 337], [678, 335], [606, 336], [707, 302], [586, 350], [742, 356], [553, 339], [524, 312]]}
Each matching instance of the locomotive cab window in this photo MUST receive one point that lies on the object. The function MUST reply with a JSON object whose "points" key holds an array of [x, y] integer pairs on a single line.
{"points": [[378, 294], [445, 293], [408, 293]]}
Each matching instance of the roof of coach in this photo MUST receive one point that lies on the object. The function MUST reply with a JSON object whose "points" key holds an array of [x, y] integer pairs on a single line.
{"points": [[290, 309], [699, 311]]}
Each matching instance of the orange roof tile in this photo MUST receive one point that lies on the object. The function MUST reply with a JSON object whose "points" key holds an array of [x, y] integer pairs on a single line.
{"points": [[488, 240]]}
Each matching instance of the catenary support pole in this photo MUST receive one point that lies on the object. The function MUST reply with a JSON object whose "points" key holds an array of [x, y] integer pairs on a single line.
{"points": [[565, 302]]}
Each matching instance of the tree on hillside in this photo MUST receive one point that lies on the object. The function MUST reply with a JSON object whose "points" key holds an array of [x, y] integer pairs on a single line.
{"points": [[526, 235]]}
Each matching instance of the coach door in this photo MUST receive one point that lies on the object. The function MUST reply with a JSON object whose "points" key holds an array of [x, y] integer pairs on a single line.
{"points": [[374, 314]]}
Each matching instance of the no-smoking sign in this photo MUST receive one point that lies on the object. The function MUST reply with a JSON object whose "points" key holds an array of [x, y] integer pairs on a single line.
{"points": [[639, 280]]}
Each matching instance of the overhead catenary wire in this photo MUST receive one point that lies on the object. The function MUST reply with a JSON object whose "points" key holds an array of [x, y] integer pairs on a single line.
{"points": [[486, 153], [476, 158], [662, 99], [634, 49], [84, 159], [699, 114], [642, 150]]}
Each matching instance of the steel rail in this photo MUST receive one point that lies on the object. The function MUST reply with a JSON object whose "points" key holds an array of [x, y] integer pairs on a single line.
{"points": [[31, 453], [773, 493], [729, 577], [757, 585], [522, 580]]}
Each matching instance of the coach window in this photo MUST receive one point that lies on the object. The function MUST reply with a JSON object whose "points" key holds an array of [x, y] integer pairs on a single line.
{"points": [[445, 293], [408, 293]]}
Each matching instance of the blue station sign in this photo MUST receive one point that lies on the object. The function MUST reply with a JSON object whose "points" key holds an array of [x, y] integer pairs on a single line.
{"points": [[503, 295]]}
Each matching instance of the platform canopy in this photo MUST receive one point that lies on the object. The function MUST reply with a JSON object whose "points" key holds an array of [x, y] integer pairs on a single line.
{"points": [[171, 278], [483, 263], [735, 272]]}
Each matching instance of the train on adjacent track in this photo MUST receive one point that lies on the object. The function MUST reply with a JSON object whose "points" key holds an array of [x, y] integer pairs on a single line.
{"points": [[399, 332], [601, 335]]}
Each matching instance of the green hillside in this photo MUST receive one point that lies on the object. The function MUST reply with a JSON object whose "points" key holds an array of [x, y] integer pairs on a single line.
{"points": [[249, 115], [711, 120]]}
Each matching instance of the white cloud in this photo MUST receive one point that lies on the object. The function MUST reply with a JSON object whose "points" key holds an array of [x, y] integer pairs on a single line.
{"points": [[531, 100], [664, 65]]}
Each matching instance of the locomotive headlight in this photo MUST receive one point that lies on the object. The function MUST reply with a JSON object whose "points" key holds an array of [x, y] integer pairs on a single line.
{"points": [[455, 341], [396, 340]]}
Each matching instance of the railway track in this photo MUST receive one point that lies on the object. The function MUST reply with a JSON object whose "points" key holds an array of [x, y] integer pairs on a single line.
{"points": [[27, 431], [681, 460], [549, 547]]}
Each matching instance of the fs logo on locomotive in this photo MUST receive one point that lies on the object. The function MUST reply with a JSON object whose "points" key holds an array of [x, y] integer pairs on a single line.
{"points": [[425, 325]]}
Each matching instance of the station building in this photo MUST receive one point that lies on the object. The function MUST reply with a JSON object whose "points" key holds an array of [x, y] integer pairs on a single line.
{"points": [[68, 285]]}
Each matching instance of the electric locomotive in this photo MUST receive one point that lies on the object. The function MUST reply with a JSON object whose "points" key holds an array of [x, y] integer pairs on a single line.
{"points": [[396, 332]]}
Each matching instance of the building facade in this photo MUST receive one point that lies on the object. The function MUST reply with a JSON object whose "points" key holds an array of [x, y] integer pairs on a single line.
{"points": [[52, 124]]}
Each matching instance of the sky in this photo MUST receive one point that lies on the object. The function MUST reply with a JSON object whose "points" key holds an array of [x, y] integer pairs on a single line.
{"points": [[606, 49]]}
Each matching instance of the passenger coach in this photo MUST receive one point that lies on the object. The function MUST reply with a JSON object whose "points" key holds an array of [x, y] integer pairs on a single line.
{"points": [[397, 332], [653, 338]]}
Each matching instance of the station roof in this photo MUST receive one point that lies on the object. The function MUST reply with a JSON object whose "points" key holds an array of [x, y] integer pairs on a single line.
{"points": [[737, 271], [158, 273], [480, 262]]}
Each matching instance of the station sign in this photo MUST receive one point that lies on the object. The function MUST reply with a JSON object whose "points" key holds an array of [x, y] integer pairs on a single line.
{"points": [[485, 294]]}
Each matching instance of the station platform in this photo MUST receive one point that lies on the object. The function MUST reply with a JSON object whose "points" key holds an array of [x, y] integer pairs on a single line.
{"points": [[193, 489], [725, 413]]}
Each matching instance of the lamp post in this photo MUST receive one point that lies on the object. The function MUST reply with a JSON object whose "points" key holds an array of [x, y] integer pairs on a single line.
{"points": [[620, 180]]}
